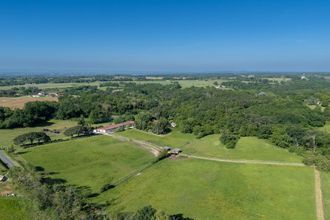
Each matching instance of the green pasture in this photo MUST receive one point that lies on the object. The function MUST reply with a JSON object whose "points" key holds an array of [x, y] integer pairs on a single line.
{"points": [[13, 208], [250, 148], [325, 177], [92, 162], [212, 190], [7, 135]]}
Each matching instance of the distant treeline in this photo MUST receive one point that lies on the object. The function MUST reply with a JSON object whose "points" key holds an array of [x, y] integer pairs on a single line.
{"points": [[287, 113]]}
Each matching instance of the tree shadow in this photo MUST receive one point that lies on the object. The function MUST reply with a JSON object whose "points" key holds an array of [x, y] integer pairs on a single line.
{"points": [[52, 181], [22, 152], [179, 217], [39, 169]]}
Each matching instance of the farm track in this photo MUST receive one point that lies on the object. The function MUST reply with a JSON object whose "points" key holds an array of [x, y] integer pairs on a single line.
{"points": [[263, 162], [318, 195], [154, 149]]}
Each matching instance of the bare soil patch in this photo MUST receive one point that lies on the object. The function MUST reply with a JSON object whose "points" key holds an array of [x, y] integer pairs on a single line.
{"points": [[19, 102]]}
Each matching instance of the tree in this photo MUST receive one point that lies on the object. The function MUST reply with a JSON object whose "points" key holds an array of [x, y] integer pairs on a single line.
{"points": [[142, 120], [161, 126], [229, 139], [78, 131], [146, 213], [99, 115], [39, 137]]}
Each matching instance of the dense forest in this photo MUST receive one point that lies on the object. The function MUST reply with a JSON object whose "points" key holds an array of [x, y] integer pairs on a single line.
{"points": [[288, 113]]}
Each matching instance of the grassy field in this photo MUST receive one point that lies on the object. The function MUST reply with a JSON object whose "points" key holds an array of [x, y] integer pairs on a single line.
{"points": [[7, 135], [13, 208], [211, 190], [19, 102], [183, 83], [91, 162], [250, 148], [53, 85], [325, 177], [2, 169], [326, 127]]}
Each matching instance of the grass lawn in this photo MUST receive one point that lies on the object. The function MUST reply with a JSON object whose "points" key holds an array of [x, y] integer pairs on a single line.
{"points": [[211, 190], [325, 177], [7, 135], [250, 148], [92, 161], [326, 127], [13, 208]]}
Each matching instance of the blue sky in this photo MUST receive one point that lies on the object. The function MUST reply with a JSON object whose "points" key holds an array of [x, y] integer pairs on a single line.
{"points": [[164, 36]]}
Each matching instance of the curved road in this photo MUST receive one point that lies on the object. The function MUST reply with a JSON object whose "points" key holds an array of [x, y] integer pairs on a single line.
{"points": [[7, 160]]}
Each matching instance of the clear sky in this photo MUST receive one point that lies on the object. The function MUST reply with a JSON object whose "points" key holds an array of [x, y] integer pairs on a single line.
{"points": [[164, 36]]}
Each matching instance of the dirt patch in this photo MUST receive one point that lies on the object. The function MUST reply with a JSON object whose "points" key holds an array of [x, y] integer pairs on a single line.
{"points": [[19, 102], [5, 189]]}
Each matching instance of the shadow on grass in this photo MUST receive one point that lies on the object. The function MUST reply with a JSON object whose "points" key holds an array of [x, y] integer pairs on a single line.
{"points": [[52, 181]]}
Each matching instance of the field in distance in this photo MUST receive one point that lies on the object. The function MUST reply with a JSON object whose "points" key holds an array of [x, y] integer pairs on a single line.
{"points": [[19, 102]]}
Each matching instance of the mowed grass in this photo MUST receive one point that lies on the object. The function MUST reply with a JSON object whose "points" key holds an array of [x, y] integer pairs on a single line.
{"points": [[13, 208], [7, 135], [249, 148], [91, 162], [325, 177], [212, 190]]}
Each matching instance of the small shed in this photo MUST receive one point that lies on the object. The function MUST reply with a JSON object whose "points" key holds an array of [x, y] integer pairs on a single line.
{"points": [[176, 151], [167, 148]]}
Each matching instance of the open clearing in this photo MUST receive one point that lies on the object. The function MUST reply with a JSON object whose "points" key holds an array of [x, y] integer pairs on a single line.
{"points": [[248, 148], [7, 135], [200, 189], [91, 162], [19, 102], [325, 177], [326, 127]]}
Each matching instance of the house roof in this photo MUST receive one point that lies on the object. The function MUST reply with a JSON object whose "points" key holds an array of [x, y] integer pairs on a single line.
{"points": [[118, 125]]}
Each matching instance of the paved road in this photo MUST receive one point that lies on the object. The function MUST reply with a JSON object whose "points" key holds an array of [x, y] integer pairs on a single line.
{"points": [[264, 162], [7, 160]]}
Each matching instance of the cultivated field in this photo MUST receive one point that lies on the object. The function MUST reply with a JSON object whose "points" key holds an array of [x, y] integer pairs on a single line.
{"points": [[7, 135], [213, 190], [19, 102], [250, 148], [91, 162]]}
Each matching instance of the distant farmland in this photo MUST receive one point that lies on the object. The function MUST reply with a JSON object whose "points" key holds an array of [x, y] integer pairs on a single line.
{"points": [[19, 102]]}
